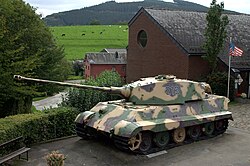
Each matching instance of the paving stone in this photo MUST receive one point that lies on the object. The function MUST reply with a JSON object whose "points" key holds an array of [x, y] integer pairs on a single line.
{"points": [[241, 115]]}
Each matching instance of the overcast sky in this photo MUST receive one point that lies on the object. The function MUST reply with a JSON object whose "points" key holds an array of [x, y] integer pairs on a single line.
{"points": [[47, 7]]}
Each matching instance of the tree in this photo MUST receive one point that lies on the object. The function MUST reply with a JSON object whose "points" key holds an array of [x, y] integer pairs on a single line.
{"points": [[95, 22], [28, 48], [78, 67], [84, 100], [215, 33]]}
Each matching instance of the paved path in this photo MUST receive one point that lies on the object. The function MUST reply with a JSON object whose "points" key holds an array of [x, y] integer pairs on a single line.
{"points": [[52, 101], [241, 115], [230, 149], [49, 102]]}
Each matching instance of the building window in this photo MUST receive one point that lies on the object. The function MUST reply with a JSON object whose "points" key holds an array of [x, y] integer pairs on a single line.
{"points": [[142, 38], [113, 68]]}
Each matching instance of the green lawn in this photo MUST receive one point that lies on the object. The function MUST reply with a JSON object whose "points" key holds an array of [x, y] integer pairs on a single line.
{"points": [[81, 39]]}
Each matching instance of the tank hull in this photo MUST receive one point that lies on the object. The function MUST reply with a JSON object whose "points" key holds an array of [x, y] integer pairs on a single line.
{"points": [[123, 121]]}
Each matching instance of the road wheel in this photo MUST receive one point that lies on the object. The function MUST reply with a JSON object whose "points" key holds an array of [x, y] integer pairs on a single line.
{"points": [[221, 125], [179, 135], [142, 142], [161, 139], [135, 141], [209, 128], [194, 132], [146, 142]]}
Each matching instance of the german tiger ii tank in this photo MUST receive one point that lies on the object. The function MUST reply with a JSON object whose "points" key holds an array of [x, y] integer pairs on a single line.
{"points": [[156, 113]]}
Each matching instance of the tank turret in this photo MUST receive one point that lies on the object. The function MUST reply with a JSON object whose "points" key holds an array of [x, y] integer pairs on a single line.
{"points": [[166, 89], [159, 90]]}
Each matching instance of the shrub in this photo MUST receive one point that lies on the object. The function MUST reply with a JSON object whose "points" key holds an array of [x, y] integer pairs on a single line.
{"points": [[218, 82], [84, 100], [39, 126], [55, 158]]}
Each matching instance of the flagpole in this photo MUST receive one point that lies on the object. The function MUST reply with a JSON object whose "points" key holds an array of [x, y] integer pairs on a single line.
{"points": [[229, 69]]}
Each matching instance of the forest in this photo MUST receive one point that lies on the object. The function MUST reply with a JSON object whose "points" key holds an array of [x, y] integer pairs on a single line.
{"points": [[112, 12]]}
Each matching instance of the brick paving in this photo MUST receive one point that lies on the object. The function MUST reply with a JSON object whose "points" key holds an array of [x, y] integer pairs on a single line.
{"points": [[241, 115]]}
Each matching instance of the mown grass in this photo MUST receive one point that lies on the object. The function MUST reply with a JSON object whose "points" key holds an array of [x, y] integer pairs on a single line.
{"points": [[78, 40]]}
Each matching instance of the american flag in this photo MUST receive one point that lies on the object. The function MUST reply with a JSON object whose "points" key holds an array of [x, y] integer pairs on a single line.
{"points": [[235, 51]]}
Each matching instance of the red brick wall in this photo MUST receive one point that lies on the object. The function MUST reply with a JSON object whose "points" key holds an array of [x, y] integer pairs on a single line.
{"points": [[95, 69], [87, 69], [198, 67], [160, 56]]}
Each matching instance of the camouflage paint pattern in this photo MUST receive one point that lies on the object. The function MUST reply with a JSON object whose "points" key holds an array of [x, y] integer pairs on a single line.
{"points": [[126, 119], [165, 90]]}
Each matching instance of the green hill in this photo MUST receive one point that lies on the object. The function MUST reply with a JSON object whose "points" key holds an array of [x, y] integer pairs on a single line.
{"points": [[113, 13], [77, 40]]}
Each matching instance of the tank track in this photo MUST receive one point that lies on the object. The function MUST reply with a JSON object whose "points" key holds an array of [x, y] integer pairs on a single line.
{"points": [[82, 132], [86, 132], [122, 142]]}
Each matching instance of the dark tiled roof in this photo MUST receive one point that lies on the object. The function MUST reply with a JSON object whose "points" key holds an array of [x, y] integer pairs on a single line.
{"points": [[106, 58], [114, 50], [187, 29]]}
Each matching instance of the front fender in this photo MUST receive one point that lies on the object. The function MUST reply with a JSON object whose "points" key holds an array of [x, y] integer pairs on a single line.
{"points": [[126, 129], [83, 117]]}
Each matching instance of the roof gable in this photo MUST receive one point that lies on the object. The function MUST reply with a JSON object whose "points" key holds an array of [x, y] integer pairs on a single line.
{"points": [[106, 58]]}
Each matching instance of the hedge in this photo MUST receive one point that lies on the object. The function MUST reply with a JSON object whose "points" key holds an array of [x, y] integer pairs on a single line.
{"points": [[39, 126]]}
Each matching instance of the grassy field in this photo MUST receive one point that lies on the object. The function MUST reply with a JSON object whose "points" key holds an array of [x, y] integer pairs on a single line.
{"points": [[77, 40]]}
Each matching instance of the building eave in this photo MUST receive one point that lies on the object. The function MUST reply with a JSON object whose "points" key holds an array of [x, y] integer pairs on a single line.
{"points": [[132, 20]]}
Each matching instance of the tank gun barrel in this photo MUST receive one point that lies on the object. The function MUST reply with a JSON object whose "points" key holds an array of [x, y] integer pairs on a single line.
{"points": [[122, 91]]}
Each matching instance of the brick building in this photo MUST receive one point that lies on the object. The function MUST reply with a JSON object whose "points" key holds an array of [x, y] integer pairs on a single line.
{"points": [[170, 42], [95, 63]]}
